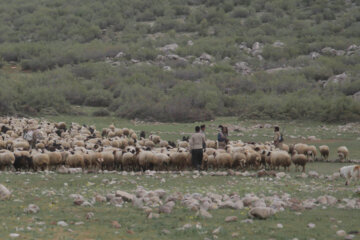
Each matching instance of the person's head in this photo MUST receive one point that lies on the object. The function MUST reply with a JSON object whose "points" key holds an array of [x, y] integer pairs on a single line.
{"points": [[276, 129], [197, 129], [202, 127]]}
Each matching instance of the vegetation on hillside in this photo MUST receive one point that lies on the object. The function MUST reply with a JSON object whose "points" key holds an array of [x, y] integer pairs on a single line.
{"points": [[283, 59]]}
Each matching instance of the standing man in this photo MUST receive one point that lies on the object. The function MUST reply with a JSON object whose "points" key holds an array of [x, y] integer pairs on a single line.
{"points": [[278, 139], [222, 139], [196, 143], [202, 131]]}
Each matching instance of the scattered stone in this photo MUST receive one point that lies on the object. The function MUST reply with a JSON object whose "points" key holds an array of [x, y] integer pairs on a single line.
{"points": [[261, 212], [124, 195], [62, 224], [279, 225], [32, 208], [116, 224], [311, 225], [217, 230], [341, 233], [14, 235], [313, 174], [231, 219], [205, 214]]}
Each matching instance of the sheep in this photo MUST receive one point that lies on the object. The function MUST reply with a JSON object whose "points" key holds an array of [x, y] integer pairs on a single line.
{"points": [[163, 159], [117, 159], [178, 159], [343, 153], [211, 144], [55, 159], [301, 148], [40, 161], [147, 158], [324, 151], [164, 143], [299, 160], [7, 159], [61, 125], [108, 160], [75, 160], [126, 131], [149, 144], [21, 144], [238, 159], [23, 160], [280, 158], [183, 144], [312, 152], [350, 173], [253, 159], [128, 161], [156, 139], [224, 159]]}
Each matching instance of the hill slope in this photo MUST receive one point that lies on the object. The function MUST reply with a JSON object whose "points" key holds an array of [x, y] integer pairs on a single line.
{"points": [[173, 60]]}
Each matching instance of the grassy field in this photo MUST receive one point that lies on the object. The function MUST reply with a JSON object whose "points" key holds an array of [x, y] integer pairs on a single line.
{"points": [[51, 193]]}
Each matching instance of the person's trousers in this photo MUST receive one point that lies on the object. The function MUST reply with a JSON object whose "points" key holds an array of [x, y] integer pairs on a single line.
{"points": [[196, 158]]}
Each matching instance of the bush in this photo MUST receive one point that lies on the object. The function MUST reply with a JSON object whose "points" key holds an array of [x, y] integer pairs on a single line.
{"points": [[240, 12], [103, 112], [98, 98]]}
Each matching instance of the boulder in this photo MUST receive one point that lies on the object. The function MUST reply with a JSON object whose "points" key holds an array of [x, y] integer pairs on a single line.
{"points": [[356, 96], [231, 219], [125, 196], [169, 47], [32, 208], [337, 79], [243, 68], [278, 44], [314, 55], [261, 212]]}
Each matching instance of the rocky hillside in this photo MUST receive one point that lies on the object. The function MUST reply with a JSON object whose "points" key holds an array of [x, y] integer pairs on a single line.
{"points": [[172, 60]]}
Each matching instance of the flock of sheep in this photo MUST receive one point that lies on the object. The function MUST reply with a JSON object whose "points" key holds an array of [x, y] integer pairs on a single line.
{"points": [[29, 144]]}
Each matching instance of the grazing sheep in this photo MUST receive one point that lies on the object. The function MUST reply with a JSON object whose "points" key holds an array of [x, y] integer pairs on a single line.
{"points": [[324, 151], [350, 173], [75, 160], [312, 152], [7, 159], [299, 160], [301, 148], [279, 159], [343, 153], [40, 161], [23, 160]]}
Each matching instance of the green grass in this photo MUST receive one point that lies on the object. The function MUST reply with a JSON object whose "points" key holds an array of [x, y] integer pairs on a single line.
{"points": [[34, 189]]}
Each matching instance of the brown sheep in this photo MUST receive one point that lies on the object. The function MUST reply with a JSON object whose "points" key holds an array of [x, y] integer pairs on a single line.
{"points": [[40, 161], [7, 159], [299, 160], [324, 151], [343, 153], [279, 159]]}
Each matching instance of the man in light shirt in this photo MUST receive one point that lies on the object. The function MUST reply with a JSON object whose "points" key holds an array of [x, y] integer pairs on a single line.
{"points": [[196, 143]]}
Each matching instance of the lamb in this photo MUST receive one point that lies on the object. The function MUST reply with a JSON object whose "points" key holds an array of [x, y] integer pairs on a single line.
{"points": [[299, 160], [324, 151], [7, 159], [350, 173], [343, 153]]}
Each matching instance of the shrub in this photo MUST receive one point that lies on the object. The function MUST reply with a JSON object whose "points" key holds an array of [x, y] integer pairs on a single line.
{"points": [[98, 98], [103, 112]]}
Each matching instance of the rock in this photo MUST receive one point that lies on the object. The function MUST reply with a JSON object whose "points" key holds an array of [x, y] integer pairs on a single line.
{"points": [[165, 231], [312, 138], [280, 175], [247, 221], [32, 208], [124, 195], [100, 198], [116, 224], [217, 230], [14, 235], [278, 44], [356, 96], [231, 219], [352, 47], [120, 55], [206, 57], [79, 201], [62, 224], [311, 225], [109, 197], [314, 55], [117, 201], [341, 233], [205, 214], [5, 194], [337, 79], [279, 225], [258, 203], [329, 51], [235, 235], [167, 69], [313, 174], [261, 212], [243, 68], [169, 47], [63, 170], [153, 215], [190, 43]]}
